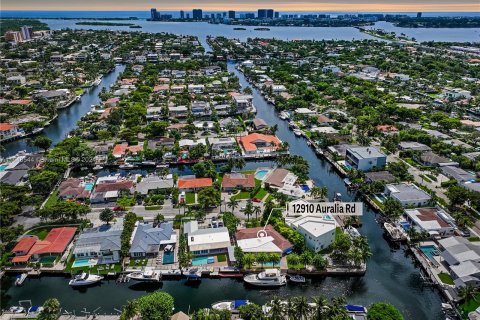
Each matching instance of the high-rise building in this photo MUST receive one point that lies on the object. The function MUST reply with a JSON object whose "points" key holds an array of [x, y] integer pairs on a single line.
{"points": [[249, 15], [188, 16], [212, 15], [419, 14], [262, 13], [270, 13], [224, 14], [27, 32], [277, 14], [231, 14], [153, 14], [13, 36], [197, 14], [182, 14]]}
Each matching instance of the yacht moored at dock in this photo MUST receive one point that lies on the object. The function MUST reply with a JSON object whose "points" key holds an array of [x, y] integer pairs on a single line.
{"points": [[85, 279], [267, 278], [230, 305], [146, 276], [394, 233]]}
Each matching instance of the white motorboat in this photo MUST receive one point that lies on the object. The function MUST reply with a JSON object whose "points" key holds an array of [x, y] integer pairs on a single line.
{"points": [[20, 279], [16, 309], [230, 305], [267, 278], [284, 115], [85, 279], [297, 279], [353, 232], [146, 276], [297, 132], [337, 197], [396, 234], [194, 274]]}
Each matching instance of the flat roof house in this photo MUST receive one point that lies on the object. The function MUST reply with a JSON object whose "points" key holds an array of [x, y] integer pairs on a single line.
{"points": [[434, 221], [151, 183], [365, 158], [148, 238], [103, 244], [408, 194], [206, 241], [31, 248], [318, 231]]}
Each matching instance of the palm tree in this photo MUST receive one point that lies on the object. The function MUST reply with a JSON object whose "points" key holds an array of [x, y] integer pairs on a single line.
{"points": [[468, 293], [248, 259], [274, 258], [248, 210], [336, 309], [159, 218], [323, 192], [291, 314], [362, 244], [232, 204], [257, 210], [306, 258], [319, 262], [321, 303], [130, 310], [262, 257], [355, 255], [293, 259], [277, 310], [301, 307]]}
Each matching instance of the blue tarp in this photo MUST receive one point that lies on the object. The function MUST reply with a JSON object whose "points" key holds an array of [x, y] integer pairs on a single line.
{"points": [[354, 308], [238, 303]]}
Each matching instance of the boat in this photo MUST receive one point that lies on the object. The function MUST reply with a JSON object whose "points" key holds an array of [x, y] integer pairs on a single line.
{"points": [[352, 232], [297, 132], [85, 279], [16, 309], [267, 278], [318, 151], [297, 279], [194, 274], [284, 115], [127, 166], [292, 125], [337, 197], [355, 308], [146, 276], [394, 233], [230, 305], [97, 81], [20, 279], [149, 163]]}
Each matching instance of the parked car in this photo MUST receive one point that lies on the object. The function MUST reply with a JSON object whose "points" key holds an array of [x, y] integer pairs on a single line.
{"points": [[118, 209]]}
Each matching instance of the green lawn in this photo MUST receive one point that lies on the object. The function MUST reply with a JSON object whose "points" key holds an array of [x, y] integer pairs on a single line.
{"points": [[261, 194], [41, 233], [473, 239], [248, 171], [138, 262], [241, 195], [153, 207], [94, 270], [79, 92], [221, 258], [446, 278], [190, 197], [52, 200], [470, 306]]}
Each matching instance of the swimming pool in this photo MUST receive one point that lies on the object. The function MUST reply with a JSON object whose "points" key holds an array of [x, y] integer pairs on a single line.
{"points": [[430, 251], [89, 186], [380, 197], [84, 263], [197, 261], [168, 257], [260, 174], [305, 187], [3, 166]]}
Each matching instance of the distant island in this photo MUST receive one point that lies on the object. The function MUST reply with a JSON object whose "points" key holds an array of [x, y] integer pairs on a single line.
{"points": [[15, 24], [135, 27], [262, 29], [436, 22], [239, 29], [109, 24]]}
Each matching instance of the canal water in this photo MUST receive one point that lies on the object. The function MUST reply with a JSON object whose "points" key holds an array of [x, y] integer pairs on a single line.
{"points": [[67, 118], [390, 277]]}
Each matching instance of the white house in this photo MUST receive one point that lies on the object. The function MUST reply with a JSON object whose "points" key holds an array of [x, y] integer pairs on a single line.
{"points": [[206, 241], [318, 231], [408, 194], [434, 221], [365, 158]]}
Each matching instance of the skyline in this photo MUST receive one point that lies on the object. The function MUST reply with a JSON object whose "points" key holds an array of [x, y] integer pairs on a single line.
{"points": [[247, 5]]}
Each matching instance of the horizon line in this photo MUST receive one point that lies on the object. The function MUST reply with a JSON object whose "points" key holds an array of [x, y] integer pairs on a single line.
{"points": [[169, 10]]}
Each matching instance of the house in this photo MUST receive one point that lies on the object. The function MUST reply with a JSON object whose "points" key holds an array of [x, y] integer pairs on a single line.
{"points": [[102, 244], [208, 241], [222, 144], [186, 144], [259, 124], [259, 143], [16, 80], [460, 175], [232, 181], [248, 240], [109, 188], [434, 221], [243, 102], [75, 189], [200, 109], [305, 112], [323, 120], [318, 231], [30, 248], [277, 178], [278, 88], [112, 102], [190, 183], [177, 111], [121, 149], [431, 159], [384, 176], [409, 195], [196, 88], [457, 93], [413, 146], [8, 131], [341, 149], [365, 158], [248, 64], [154, 182], [387, 129], [148, 238]]}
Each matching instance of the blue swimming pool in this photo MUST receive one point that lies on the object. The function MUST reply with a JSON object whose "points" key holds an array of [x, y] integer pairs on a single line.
{"points": [[168, 257], [3, 166], [429, 251], [305, 187], [260, 174], [197, 261], [83, 263], [89, 186], [380, 197]]}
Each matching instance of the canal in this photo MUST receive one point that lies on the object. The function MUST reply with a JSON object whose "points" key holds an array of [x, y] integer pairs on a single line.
{"points": [[391, 275], [67, 118]]}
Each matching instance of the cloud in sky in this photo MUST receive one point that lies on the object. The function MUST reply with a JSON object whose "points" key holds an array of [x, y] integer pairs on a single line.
{"points": [[244, 5]]}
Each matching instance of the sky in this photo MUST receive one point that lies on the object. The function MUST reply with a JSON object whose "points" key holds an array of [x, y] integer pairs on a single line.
{"points": [[246, 5]]}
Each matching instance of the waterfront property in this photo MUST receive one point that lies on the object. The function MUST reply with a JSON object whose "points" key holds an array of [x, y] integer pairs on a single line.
{"points": [[102, 245], [434, 221], [232, 181], [318, 231], [210, 241], [249, 241], [190, 183], [409, 195], [154, 182], [258, 143], [147, 238], [365, 158], [31, 248]]}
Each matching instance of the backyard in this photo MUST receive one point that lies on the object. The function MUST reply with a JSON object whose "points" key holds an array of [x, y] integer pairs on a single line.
{"points": [[190, 198]]}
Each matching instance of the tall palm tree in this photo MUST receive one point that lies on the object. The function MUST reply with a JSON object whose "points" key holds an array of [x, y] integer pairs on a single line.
{"points": [[301, 307], [323, 192], [468, 293], [336, 309], [291, 313], [362, 244], [277, 310], [232, 204], [321, 303], [262, 257], [306, 258], [130, 310], [248, 259], [248, 210], [257, 210]]}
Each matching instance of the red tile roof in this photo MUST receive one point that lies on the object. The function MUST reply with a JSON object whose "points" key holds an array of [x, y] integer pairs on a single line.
{"points": [[121, 148], [6, 126], [20, 102], [114, 186], [25, 244], [386, 128], [248, 142], [234, 180], [278, 239], [194, 183]]}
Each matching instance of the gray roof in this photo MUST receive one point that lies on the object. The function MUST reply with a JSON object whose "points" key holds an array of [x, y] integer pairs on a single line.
{"points": [[146, 236], [380, 176], [411, 145], [407, 192], [12, 177], [98, 239], [433, 158], [366, 152], [458, 174], [152, 183]]}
